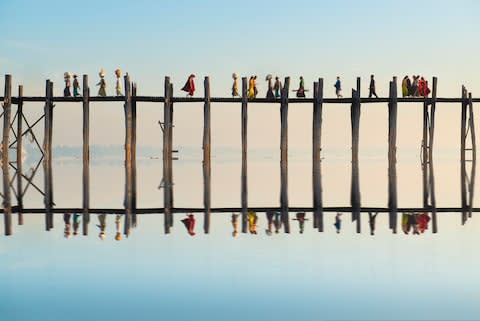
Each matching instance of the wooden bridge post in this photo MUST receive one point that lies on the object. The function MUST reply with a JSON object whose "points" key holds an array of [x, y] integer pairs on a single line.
{"points": [[244, 155], [86, 155], [355, 187], [284, 155], [392, 155], [134, 155], [425, 160], [47, 161], [19, 155], [206, 157], [316, 157], [430, 156], [7, 110], [463, 171], [170, 158], [128, 155], [166, 156]]}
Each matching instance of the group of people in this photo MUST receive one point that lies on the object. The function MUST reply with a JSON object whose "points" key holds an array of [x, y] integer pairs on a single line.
{"points": [[102, 225], [417, 87], [102, 90]]}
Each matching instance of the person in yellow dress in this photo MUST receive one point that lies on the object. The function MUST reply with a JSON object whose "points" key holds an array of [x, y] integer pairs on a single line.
{"points": [[251, 88]]}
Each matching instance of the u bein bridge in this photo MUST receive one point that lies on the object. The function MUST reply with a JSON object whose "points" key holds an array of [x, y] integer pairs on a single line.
{"points": [[16, 186]]}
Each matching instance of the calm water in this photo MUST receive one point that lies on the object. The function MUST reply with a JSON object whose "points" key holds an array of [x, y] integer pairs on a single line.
{"points": [[309, 276]]}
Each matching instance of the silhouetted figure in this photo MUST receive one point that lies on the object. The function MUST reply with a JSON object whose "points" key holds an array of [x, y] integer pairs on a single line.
{"points": [[102, 91], [102, 225], [277, 222], [270, 94], [405, 85], [235, 224], [235, 85], [277, 87], [255, 90], [415, 80], [300, 217], [270, 218], [338, 88], [252, 222], [76, 86], [301, 88], [338, 222], [409, 87], [189, 223], [189, 86], [371, 88], [371, 222], [66, 220], [118, 234], [118, 84], [66, 91], [76, 223], [251, 88]]}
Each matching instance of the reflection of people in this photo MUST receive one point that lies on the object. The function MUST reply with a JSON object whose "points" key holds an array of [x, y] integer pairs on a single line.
{"points": [[102, 224], [189, 223], [252, 222], [270, 217], [338, 222], [277, 222], [422, 222], [76, 223], [189, 86], [371, 222], [66, 220], [118, 234], [300, 217], [235, 224]]}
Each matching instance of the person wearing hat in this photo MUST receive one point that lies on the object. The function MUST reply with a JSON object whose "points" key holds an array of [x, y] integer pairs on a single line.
{"points": [[76, 86], [118, 85], [66, 91], [235, 85], [103, 85], [270, 95], [189, 86]]}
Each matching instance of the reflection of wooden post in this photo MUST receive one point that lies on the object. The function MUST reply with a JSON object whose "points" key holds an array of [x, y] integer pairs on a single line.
{"points": [[463, 171], [425, 159], [7, 110], [128, 156], [244, 155], [166, 156], [355, 187], [284, 155], [47, 161], [474, 155], [430, 156], [19, 155], [206, 157], [317, 147], [392, 155], [86, 155]]}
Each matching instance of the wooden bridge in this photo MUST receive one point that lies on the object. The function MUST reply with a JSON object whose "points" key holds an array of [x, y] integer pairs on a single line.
{"points": [[467, 144]]}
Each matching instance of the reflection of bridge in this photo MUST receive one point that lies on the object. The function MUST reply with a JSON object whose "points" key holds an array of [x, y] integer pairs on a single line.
{"points": [[130, 99]]}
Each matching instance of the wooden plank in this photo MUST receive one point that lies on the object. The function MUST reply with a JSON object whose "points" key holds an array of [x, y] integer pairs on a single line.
{"points": [[355, 185], [430, 156], [244, 155], [7, 110], [47, 161], [166, 156], [316, 155], [128, 155], [284, 155], [392, 155], [206, 157], [86, 155], [19, 155]]}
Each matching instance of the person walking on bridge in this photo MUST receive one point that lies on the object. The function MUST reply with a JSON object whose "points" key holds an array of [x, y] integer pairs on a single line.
{"points": [[338, 88], [371, 88]]}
